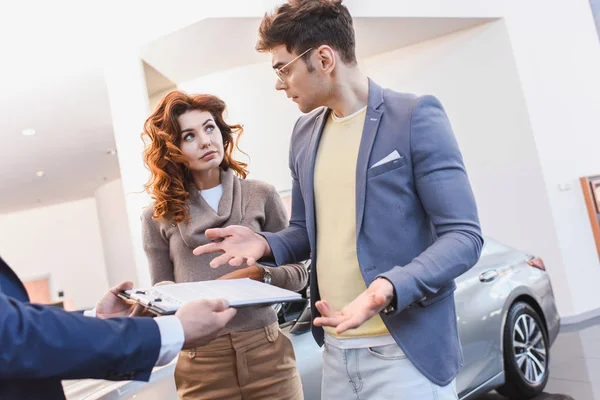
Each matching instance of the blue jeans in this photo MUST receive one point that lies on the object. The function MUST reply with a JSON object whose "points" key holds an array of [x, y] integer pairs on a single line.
{"points": [[377, 373]]}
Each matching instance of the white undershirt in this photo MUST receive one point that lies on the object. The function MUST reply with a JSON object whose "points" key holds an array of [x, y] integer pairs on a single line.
{"points": [[212, 196], [347, 117], [359, 342]]}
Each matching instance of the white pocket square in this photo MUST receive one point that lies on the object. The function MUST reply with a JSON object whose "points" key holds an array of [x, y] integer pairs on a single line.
{"points": [[394, 155]]}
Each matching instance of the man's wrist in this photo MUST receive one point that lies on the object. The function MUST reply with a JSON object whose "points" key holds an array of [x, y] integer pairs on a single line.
{"points": [[392, 300]]}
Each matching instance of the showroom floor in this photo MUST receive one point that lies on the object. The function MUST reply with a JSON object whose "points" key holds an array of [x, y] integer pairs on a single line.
{"points": [[574, 364]]}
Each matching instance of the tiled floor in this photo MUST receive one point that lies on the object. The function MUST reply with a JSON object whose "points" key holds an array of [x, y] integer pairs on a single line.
{"points": [[574, 364]]}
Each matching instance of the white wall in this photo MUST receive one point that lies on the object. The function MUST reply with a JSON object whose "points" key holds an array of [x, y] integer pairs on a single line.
{"points": [[268, 117], [155, 98], [473, 73], [114, 230], [558, 61], [63, 240], [427, 8]]}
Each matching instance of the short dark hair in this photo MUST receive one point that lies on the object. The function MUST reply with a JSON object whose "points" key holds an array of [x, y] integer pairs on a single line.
{"points": [[302, 24]]}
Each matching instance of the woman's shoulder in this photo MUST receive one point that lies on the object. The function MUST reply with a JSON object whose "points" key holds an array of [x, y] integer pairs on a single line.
{"points": [[257, 187], [148, 211], [148, 215]]}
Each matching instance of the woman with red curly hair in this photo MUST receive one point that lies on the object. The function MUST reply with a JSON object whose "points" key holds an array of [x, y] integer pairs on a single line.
{"points": [[197, 184]]}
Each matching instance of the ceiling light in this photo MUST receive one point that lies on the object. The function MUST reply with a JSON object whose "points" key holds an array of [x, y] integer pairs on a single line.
{"points": [[40, 173], [111, 152], [28, 132]]}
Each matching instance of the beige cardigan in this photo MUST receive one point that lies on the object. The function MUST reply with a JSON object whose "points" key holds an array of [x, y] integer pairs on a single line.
{"points": [[251, 203]]}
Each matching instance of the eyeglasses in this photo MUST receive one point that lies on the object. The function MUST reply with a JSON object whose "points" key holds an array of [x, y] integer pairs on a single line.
{"points": [[281, 73]]}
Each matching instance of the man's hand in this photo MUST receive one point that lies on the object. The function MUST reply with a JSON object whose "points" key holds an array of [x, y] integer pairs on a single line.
{"points": [[378, 296], [202, 320], [238, 243], [111, 306], [254, 272]]}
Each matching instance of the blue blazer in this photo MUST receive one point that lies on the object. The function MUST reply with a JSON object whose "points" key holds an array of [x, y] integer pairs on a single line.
{"points": [[40, 345], [416, 220]]}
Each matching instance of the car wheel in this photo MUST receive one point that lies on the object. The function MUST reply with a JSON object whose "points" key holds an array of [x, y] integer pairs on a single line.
{"points": [[526, 353]]}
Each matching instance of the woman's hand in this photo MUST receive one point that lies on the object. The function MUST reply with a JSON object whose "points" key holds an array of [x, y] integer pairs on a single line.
{"points": [[254, 272]]}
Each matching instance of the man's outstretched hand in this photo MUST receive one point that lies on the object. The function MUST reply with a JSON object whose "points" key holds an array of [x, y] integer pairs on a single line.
{"points": [[372, 301], [238, 244]]}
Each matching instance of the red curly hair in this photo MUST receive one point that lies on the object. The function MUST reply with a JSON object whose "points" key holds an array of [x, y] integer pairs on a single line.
{"points": [[169, 171]]}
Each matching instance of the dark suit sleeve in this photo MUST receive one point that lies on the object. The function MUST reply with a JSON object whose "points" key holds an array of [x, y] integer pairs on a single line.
{"points": [[291, 244], [38, 342], [445, 193]]}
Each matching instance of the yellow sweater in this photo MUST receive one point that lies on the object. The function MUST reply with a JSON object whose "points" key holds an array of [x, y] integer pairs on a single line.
{"points": [[338, 272]]}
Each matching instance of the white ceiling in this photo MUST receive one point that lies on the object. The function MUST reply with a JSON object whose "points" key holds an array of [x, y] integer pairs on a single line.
{"points": [[51, 79], [215, 44]]}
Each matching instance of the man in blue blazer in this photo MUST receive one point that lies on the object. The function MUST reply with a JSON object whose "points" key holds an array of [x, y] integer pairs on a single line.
{"points": [[382, 205], [40, 345]]}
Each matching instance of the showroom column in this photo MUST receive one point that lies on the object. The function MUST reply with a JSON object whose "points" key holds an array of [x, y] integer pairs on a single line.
{"points": [[129, 104]]}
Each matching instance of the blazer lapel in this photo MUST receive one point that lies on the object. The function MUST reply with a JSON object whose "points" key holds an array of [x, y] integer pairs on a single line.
{"points": [[372, 120]]}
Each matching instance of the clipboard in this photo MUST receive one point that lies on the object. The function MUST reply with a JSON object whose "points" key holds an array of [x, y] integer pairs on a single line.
{"points": [[167, 299]]}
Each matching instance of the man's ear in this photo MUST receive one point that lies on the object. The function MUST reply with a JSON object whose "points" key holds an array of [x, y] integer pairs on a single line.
{"points": [[326, 58]]}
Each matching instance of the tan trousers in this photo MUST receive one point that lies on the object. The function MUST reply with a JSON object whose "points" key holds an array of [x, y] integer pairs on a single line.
{"points": [[253, 365]]}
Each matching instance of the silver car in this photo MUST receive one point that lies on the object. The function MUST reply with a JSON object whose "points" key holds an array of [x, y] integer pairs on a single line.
{"points": [[507, 320]]}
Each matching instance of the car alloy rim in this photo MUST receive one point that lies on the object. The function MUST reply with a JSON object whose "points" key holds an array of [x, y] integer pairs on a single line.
{"points": [[530, 349]]}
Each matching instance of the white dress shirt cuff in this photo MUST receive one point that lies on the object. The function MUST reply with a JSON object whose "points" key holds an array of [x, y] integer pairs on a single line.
{"points": [[171, 338], [90, 313]]}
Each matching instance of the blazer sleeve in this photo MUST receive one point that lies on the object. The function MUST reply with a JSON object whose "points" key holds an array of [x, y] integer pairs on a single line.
{"points": [[445, 193], [291, 244], [289, 276], [39, 342]]}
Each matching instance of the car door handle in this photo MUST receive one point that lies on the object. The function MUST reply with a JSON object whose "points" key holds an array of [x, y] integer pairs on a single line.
{"points": [[488, 276]]}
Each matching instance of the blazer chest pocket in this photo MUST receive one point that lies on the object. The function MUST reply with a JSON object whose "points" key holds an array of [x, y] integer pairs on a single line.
{"points": [[388, 166]]}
